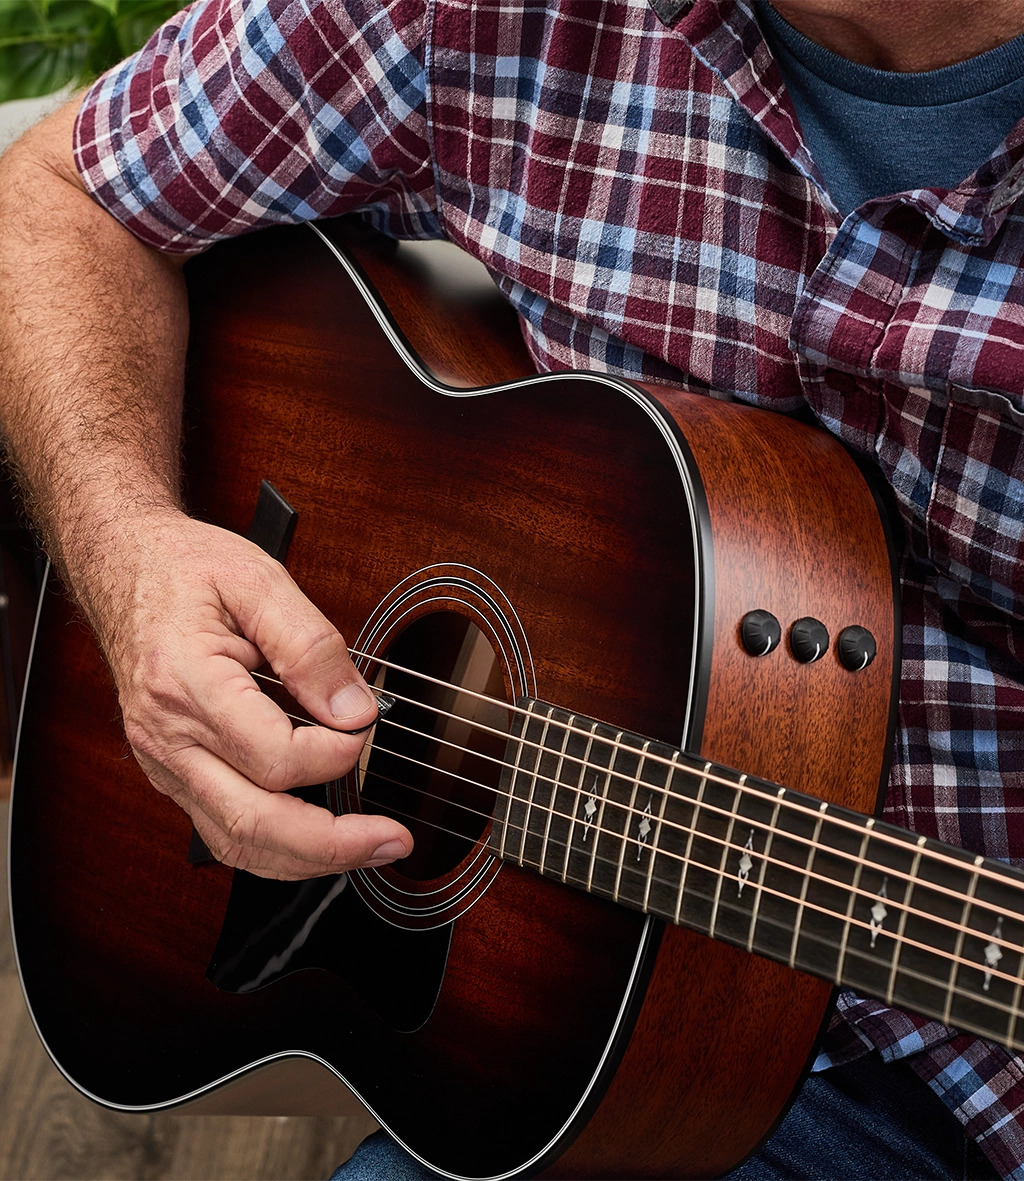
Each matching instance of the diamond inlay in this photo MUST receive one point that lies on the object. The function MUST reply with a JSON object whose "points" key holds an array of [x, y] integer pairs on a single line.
{"points": [[878, 912]]}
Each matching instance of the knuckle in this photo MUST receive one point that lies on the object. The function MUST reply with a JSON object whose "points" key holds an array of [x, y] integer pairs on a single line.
{"points": [[152, 713], [150, 677], [137, 735], [243, 831], [263, 582], [277, 776], [149, 751], [313, 650]]}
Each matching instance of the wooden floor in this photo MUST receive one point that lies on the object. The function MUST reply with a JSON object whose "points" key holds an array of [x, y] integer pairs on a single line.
{"points": [[48, 1132]]}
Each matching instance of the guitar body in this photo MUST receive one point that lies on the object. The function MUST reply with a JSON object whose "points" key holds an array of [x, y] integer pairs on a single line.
{"points": [[575, 538]]}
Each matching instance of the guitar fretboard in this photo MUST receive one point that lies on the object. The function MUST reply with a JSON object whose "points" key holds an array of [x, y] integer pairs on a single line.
{"points": [[854, 900]]}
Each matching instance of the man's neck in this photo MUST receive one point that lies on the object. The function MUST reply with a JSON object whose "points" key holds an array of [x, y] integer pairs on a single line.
{"points": [[907, 36]]}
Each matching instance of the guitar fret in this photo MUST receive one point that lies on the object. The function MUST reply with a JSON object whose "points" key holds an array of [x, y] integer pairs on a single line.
{"points": [[514, 771], [610, 838], [961, 936], [656, 852], [570, 817], [562, 853], [531, 800], [898, 937], [988, 992], [502, 824], [691, 838], [943, 931], [649, 864], [924, 937], [805, 885], [580, 762], [740, 917], [673, 828], [553, 811], [629, 812], [727, 849], [598, 818], [783, 879], [870, 945], [1011, 1036], [851, 905]]}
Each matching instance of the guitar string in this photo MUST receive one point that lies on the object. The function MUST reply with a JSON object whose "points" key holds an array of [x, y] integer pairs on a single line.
{"points": [[765, 829], [900, 940], [740, 788], [994, 909], [564, 847], [743, 787]]}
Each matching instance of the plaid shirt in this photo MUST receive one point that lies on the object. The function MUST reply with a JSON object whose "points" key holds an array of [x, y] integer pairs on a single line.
{"points": [[633, 174]]}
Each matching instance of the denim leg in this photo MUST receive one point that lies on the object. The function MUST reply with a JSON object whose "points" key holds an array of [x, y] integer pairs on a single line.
{"points": [[379, 1158], [870, 1120], [866, 1121]]}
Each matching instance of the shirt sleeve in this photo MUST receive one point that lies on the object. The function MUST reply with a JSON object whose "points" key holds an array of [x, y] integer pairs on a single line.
{"points": [[239, 114]]}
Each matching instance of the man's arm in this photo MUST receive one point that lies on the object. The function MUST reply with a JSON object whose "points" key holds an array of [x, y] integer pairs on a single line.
{"points": [[93, 327]]}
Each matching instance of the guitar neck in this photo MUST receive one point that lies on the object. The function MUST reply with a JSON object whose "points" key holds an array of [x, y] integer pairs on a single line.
{"points": [[826, 890]]}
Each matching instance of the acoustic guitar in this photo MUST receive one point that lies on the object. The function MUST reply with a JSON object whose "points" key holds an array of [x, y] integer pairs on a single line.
{"points": [[582, 601]]}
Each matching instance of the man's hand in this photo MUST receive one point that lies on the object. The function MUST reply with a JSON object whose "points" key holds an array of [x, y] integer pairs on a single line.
{"points": [[207, 608], [93, 328]]}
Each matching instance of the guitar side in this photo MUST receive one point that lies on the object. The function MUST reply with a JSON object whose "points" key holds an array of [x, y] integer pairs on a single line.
{"points": [[567, 1034]]}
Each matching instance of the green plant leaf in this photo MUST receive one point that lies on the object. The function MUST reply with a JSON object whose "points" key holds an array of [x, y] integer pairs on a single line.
{"points": [[136, 20], [46, 44]]}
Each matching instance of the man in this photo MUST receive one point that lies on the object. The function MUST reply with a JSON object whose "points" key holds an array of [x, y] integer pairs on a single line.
{"points": [[698, 194]]}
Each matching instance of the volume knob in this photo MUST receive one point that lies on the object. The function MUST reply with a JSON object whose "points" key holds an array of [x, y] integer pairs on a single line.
{"points": [[808, 639]]}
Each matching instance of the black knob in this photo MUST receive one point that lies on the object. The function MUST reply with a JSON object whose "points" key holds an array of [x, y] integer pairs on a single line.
{"points": [[808, 640], [856, 648], [760, 632]]}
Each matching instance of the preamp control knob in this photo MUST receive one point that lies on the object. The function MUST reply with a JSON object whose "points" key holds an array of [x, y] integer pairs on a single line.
{"points": [[760, 632], [856, 648], [808, 639]]}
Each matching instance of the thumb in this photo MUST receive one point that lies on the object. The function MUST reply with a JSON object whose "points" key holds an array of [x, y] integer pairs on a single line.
{"points": [[306, 651]]}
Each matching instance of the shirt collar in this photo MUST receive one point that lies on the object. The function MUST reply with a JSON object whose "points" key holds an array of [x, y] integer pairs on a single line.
{"points": [[725, 36], [975, 210]]}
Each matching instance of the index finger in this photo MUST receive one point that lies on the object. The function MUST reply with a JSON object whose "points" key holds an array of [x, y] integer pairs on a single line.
{"points": [[252, 732], [274, 835]]}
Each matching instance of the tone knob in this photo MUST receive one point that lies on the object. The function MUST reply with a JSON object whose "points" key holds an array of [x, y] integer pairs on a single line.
{"points": [[808, 640], [856, 648], [760, 632]]}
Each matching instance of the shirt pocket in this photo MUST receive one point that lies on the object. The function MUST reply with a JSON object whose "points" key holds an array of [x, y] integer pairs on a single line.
{"points": [[975, 513]]}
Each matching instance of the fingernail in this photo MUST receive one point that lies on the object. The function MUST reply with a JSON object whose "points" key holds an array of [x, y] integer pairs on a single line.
{"points": [[351, 701], [389, 851]]}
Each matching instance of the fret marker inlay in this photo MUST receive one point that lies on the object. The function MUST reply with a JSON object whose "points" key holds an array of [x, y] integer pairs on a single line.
{"points": [[992, 953], [746, 864], [589, 810], [645, 828], [878, 913]]}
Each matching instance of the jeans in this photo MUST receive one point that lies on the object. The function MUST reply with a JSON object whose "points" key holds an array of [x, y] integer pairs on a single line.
{"points": [[866, 1120]]}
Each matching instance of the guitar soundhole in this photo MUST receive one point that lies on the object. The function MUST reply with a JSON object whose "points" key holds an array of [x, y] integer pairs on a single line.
{"points": [[435, 759]]}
